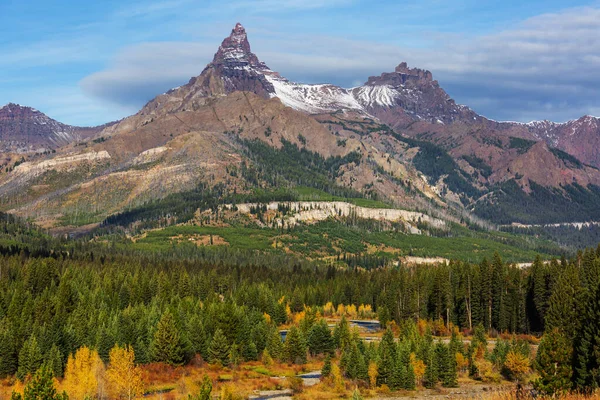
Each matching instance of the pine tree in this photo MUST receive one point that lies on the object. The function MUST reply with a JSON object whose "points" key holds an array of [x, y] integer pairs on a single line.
{"points": [[294, 348], [197, 336], [30, 358], [448, 374], [319, 339], [326, 370], [274, 343], [219, 350], [54, 361], [166, 345], [341, 334], [41, 387], [398, 378], [586, 373], [553, 363], [387, 358], [205, 390], [565, 304], [8, 356], [430, 378]]}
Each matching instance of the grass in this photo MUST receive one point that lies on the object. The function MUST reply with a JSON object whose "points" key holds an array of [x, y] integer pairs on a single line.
{"points": [[329, 238], [239, 237], [312, 194]]}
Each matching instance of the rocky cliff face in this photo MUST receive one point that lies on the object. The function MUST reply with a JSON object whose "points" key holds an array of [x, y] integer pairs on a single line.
{"points": [[25, 129]]}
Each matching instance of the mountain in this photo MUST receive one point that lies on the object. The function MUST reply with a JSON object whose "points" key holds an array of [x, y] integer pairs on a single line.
{"points": [[240, 128], [580, 138], [25, 129]]}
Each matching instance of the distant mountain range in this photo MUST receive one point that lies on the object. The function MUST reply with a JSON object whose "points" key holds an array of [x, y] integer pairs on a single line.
{"points": [[399, 137]]}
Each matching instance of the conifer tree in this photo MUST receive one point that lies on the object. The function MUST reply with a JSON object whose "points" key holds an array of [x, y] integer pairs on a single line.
{"points": [[30, 358], [294, 348], [565, 304], [166, 345], [8, 355], [54, 361], [219, 350], [430, 378], [341, 334], [387, 358], [197, 336], [319, 339], [326, 370], [41, 387], [205, 390], [446, 365], [274, 343], [586, 373], [553, 363]]}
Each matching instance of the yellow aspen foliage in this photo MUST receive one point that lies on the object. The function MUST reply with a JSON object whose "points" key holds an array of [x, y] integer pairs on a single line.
{"points": [[365, 311], [281, 300], [422, 326], [288, 312], [351, 311], [328, 309], [418, 367], [517, 364], [341, 310], [123, 376], [299, 317], [83, 375], [267, 318], [338, 380], [461, 362], [373, 373]]}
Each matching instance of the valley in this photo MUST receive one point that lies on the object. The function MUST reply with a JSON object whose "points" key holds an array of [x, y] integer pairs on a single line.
{"points": [[242, 230]]}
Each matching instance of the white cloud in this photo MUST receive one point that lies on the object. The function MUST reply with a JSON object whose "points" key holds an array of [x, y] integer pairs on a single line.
{"points": [[544, 67]]}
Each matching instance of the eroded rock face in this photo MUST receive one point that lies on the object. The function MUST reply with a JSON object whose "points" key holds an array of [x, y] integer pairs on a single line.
{"points": [[25, 129], [314, 211]]}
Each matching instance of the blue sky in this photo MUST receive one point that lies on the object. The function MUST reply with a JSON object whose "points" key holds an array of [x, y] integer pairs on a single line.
{"points": [[98, 61]]}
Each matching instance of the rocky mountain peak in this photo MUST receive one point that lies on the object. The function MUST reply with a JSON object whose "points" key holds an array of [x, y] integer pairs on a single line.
{"points": [[16, 111], [403, 68], [235, 51], [404, 75]]}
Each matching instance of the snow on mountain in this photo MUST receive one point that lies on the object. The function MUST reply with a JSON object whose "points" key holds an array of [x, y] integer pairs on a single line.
{"points": [[312, 99]]}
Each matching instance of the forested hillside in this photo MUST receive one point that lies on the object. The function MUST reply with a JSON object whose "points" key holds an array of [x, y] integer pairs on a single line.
{"points": [[225, 306]]}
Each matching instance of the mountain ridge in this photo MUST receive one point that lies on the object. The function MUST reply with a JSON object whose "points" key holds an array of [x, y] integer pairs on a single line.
{"points": [[399, 137]]}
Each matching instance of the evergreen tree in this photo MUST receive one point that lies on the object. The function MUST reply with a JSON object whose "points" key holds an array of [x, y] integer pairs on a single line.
{"points": [[8, 356], [447, 366], [553, 363], [205, 390], [398, 378], [430, 378], [326, 370], [197, 337], [294, 348], [166, 345], [41, 387], [274, 343], [586, 358], [54, 361], [30, 358], [319, 339], [387, 358], [353, 362], [565, 304], [341, 334], [219, 350]]}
